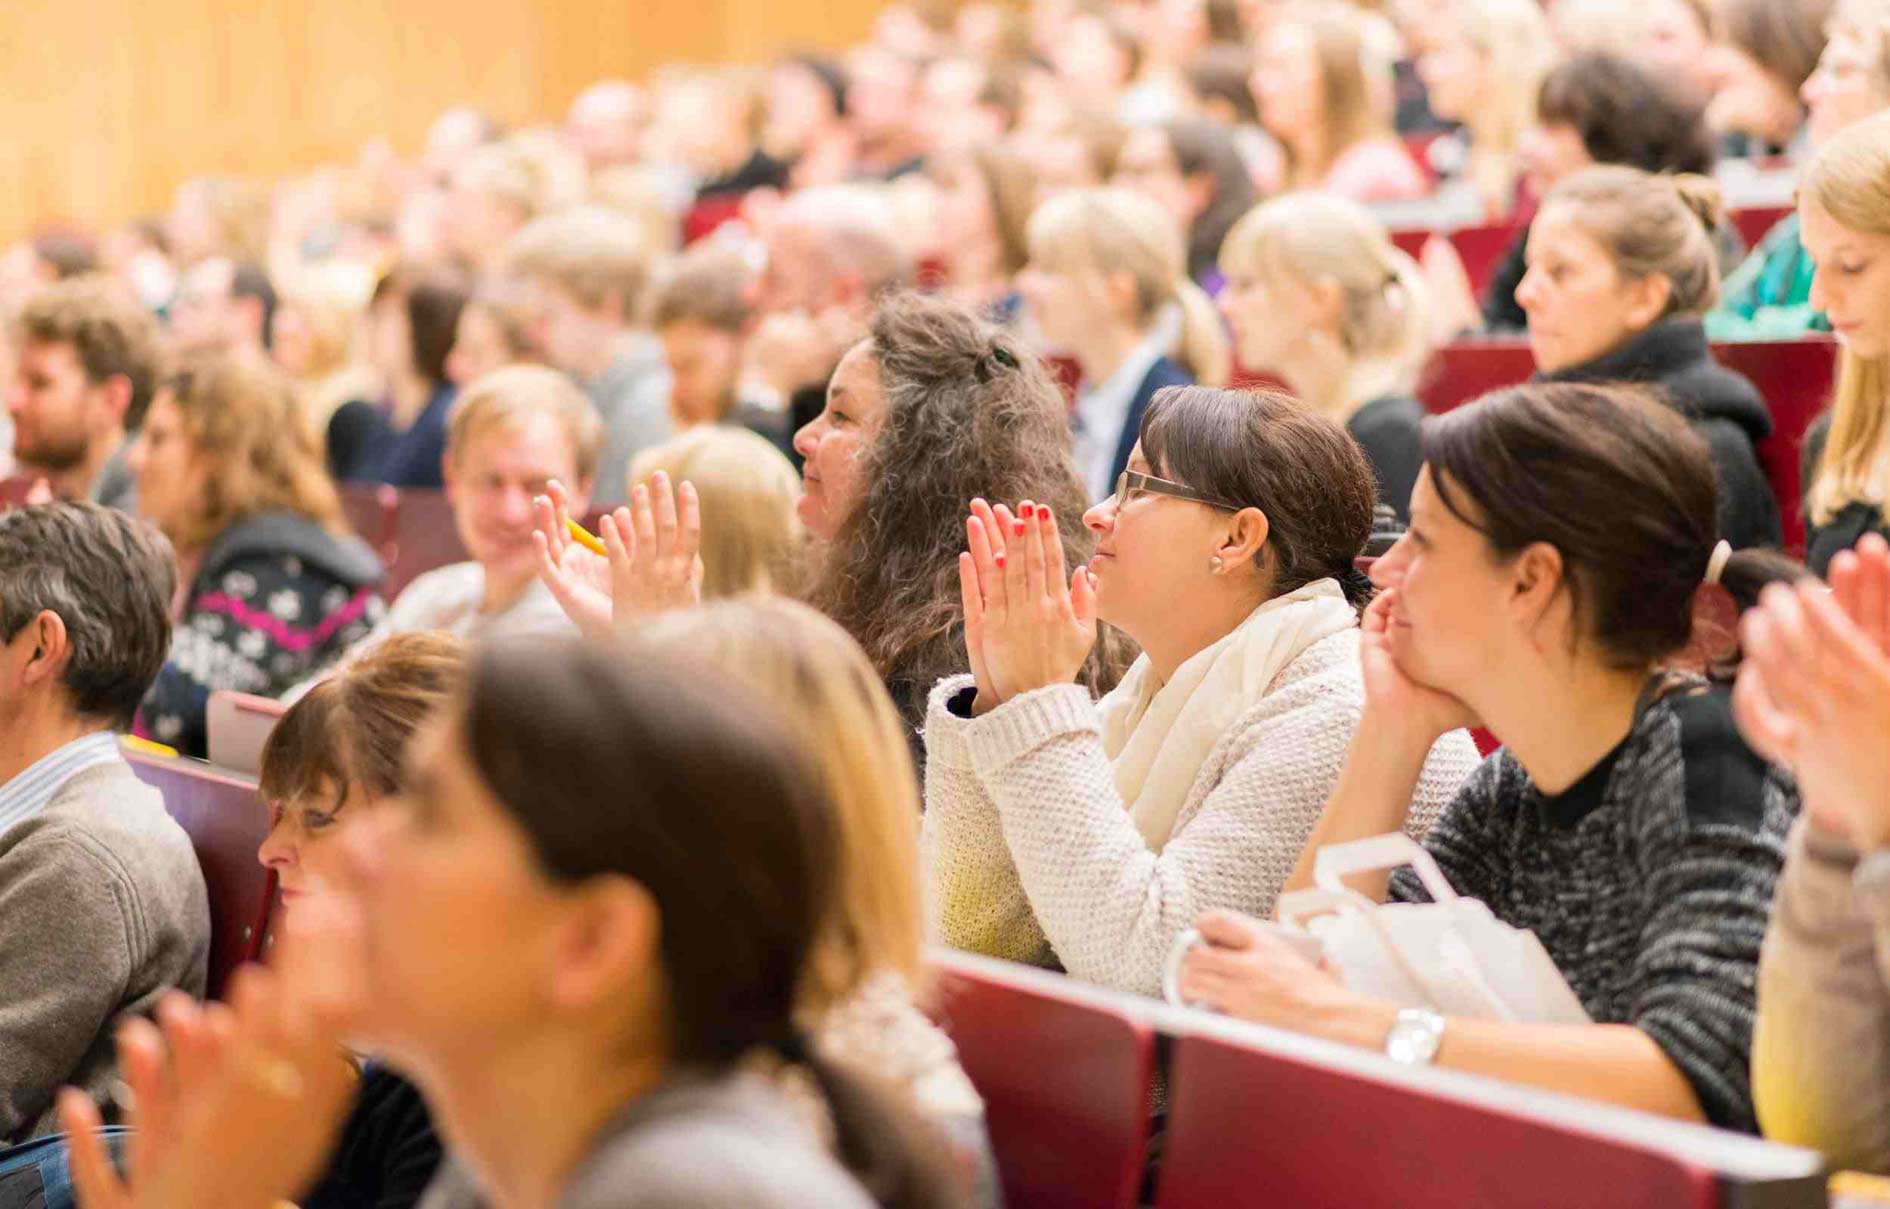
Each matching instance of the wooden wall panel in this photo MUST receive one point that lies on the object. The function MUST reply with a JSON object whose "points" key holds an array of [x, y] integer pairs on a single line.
{"points": [[106, 105]]}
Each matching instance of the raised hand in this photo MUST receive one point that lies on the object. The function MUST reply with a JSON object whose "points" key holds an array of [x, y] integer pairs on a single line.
{"points": [[1025, 627], [234, 1106], [1392, 697], [655, 549], [1814, 692], [579, 579]]}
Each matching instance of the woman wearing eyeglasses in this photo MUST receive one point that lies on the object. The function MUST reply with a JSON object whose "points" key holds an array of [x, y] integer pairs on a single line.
{"points": [[1088, 834]]}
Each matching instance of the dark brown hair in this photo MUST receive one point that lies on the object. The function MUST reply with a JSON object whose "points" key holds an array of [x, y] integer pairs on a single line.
{"points": [[1625, 114], [1617, 483], [1204, 148], [707, 284], [1783, 36], [969, 413], [669, 774], [1265, 450], [109, 578], [433, 297], [107, 329], [351, 730]]}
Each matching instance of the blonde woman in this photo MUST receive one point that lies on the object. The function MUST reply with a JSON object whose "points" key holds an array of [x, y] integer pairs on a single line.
{"points": [[1362, 328], [1107, 284], [858, 992], [1844, 220], [274, 588], [1484, 69], [1324, 90], [747, 490], [312, 337]]}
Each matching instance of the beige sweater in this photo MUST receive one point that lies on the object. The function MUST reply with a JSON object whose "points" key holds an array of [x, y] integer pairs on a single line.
{"points": [[1821, 1050], [1030, 855]]}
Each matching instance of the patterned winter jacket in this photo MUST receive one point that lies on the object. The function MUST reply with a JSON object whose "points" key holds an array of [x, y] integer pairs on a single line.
{"points": [[276, 599]]}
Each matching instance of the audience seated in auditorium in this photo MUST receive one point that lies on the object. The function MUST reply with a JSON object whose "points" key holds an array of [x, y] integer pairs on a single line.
{"points": [[985, 195], [312, 339], [494, 331], [222, 306], [1623, 822], [934, 408], [104, 904], [857, 998], [1844, 211], [1226, 553], [1814, 696], [1763, 52], [1322, 80], [1194, 170], [701, 311], [828, 255], [631, 978], [1485, 64], [494, 189], [509, 435], [1108, 285], [1600, 109], [1362, 327], [1770, 294], [1622, 264], [752, 542], [590, 271], [87, 362], [272, 587], [341, 752], [412, 320]]}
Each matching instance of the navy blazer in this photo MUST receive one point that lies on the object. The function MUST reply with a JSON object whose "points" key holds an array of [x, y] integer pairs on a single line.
{"points": [[1165, 372]]}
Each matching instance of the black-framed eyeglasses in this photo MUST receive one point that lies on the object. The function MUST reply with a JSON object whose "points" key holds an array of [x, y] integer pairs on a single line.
{"points": [[1129, 484]]}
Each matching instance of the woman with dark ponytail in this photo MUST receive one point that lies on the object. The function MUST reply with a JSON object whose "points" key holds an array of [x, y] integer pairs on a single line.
{"points": [[1090, 833], [1562, 542]]}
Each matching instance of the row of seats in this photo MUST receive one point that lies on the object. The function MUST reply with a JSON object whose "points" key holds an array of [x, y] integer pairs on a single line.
{"points": [[1257, 1117], [1482, 248]]}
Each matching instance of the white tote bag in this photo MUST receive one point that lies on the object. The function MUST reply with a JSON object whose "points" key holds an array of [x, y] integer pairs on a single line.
{"points": [[1450, 955]]}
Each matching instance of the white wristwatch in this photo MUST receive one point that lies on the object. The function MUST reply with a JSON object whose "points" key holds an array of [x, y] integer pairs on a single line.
{"points": [[1414, 1037]]}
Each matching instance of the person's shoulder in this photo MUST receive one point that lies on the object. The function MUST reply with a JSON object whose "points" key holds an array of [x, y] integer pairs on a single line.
{"points": [[1689, 731], [1166, 371], [436, 594]]}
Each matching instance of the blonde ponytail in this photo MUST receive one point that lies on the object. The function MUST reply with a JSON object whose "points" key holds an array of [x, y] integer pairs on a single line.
{"points": [[1202, 348]]}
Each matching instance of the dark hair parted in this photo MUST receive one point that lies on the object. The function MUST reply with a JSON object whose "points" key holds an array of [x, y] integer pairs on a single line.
{"points": [[433, 297], [1266, 450], [1616, 482], [722, 819], [1627, 115], [351, 730], [969, 413], [109, 577]]}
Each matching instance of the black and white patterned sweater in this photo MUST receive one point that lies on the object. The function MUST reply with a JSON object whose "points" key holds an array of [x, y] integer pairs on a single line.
{"points": [[1649, 881]]}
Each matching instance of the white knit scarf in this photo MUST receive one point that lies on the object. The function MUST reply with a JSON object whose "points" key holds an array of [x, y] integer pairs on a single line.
{"points": [[1158, 735]]}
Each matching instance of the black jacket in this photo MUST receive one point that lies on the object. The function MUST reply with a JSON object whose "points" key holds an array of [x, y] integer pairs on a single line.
{"points": [[1850, 522], [1724, 408]]}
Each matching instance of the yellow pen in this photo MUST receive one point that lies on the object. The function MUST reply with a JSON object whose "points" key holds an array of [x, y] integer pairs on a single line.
{"points": [[584, 537]]}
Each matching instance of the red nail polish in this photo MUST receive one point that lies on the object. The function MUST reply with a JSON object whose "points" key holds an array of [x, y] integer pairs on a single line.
{"points": [[1023, 510], [998, 558], [1018, 528]]}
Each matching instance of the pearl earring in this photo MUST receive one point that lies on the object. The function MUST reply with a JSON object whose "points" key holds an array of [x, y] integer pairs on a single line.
{"points": [[1214, 564]]}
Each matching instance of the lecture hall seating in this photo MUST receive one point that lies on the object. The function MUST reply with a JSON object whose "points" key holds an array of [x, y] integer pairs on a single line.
{"points": [[1257, 1117], [226, 821]]}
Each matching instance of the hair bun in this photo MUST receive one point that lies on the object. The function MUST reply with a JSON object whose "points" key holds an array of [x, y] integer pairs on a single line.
{"points": [[1703, 196]]}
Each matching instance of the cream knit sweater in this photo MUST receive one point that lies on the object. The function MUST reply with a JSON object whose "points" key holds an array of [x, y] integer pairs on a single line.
{"points": [[1030, 855]]}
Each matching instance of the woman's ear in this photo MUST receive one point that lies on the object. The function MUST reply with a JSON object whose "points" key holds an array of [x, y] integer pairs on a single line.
{"points": [[1244, 538], [1536, 583], [609, 937], [1327, 304], [1647, 300]]}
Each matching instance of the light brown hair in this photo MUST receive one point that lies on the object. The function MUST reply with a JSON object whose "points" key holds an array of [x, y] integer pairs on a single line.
{"points": [[751, 536], [242, 415], [595, 254], [706, 284], [1651, 225], [1783, 36], [512, 391], [110, 333]]}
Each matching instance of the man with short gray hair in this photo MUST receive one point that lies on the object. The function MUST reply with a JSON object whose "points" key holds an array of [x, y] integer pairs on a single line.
{"points": [[102, 903]]}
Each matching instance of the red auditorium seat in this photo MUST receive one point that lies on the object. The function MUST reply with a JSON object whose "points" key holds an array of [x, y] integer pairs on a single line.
{"points": [[1066, 1082], [1466, 369], [424, 539], [1796, 377], [369, 508], [226, 821], [1253, 1124], [1753, 223]]}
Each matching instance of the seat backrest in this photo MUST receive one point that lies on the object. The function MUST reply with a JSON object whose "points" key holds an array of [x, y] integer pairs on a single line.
{"points": [[425, 539], [1249, 1127], [226, 821], [1465, 369], [239, 725], [369, 508], [1796, 377], [1753, 222], [1066, 1084]]}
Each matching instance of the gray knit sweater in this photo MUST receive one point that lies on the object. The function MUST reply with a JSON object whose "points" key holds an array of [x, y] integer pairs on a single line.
{"points": [[1649, 881]]}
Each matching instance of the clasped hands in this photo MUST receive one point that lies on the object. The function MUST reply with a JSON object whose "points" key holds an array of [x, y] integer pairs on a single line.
{"points": [[1026, 628], [653, 561]]}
